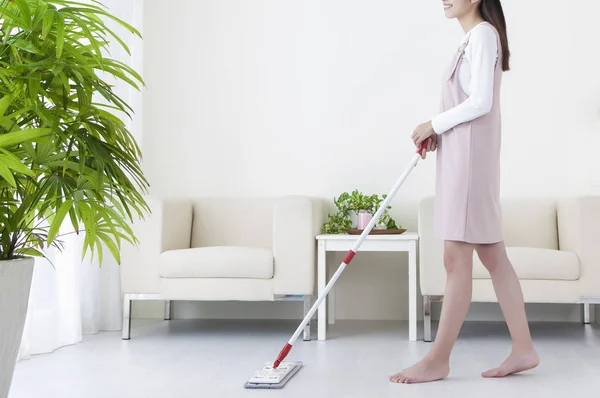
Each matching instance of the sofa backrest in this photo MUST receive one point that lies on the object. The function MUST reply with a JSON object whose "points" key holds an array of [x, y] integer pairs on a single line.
{"points": [[527, 222], [232, 222], [530, 222]]}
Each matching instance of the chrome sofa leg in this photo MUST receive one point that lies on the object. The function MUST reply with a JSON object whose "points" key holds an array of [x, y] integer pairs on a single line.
{"points": [[427, 318], [307, 306], [586, 313], [427, 300], [167, 310], [126, 317]]}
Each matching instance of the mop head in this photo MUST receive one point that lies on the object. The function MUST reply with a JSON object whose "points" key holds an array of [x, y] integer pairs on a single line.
{"points": [[268, 377]]}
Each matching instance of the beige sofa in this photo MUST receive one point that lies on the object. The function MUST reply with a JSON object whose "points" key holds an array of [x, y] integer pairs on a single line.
{"points": [[223, 249], [554, 246]]}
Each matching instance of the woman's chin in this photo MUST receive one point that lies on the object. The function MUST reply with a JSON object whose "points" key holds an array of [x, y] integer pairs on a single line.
{"points": [[449, 14]]}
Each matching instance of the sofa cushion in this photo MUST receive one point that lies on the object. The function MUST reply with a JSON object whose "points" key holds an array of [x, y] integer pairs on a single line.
{"points": [[530, 222], [536, 263], [217, 262]]}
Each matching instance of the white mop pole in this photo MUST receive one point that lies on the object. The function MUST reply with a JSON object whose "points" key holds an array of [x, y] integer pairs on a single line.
{"points": [[286, 349]]}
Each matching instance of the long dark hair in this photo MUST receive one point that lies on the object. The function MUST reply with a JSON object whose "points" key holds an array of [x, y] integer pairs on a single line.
{"points": [[492, 12]]}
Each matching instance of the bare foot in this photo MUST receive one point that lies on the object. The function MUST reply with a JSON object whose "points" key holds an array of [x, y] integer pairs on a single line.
{"points": [[515, 363], [423, 372]]}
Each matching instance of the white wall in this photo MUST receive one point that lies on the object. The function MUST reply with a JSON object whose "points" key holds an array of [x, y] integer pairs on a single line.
{"points": [[270, 97]]}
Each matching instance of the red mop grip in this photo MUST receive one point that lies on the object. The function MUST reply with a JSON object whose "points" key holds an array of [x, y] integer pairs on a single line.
{"points": [[349, 256], [423, 147], [286, 350]]}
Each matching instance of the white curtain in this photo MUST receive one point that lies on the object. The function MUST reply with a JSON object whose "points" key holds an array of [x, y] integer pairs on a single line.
{"points": [[70, 297]]}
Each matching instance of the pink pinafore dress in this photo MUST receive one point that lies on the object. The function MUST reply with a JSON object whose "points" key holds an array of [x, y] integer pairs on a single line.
{"points": [[467, 199]]}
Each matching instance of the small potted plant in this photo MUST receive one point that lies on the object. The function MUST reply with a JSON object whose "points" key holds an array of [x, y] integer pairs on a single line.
{"points": [[354, 211], [362, 207]]}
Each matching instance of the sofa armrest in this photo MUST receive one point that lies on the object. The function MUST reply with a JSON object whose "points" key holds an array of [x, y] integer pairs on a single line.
{"points": [[297, 221], [578, 222], [167, 227]]}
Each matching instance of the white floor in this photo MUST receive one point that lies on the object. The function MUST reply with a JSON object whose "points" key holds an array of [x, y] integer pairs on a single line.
{"points": [[213, 359]]}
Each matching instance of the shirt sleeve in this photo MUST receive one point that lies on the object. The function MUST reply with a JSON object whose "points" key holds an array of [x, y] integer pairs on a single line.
{"points": [[483, 56]]}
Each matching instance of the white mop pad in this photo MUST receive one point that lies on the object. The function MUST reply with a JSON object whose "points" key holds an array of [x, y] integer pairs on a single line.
{"points": [[268, 377]]}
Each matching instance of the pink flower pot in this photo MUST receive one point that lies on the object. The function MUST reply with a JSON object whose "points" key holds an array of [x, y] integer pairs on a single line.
{"points": [[363, 219]]}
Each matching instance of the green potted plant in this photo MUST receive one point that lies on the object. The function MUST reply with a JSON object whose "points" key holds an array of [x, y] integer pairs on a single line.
{"points": [[361, 206], [66, 156], [350, 207]]}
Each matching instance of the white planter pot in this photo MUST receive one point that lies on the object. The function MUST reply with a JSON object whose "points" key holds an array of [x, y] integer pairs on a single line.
{"points": [[15, 284]]}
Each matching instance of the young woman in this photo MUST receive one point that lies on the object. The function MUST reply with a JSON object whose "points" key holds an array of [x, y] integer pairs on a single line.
{"points": [[466, 135]]}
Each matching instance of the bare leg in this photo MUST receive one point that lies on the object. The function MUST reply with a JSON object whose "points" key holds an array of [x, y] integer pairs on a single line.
{"points": [[510, 297], [458, 260]]}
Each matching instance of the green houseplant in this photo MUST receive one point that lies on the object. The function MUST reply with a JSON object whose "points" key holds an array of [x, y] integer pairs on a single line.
{"points": [[66, 156], [349, 203]]}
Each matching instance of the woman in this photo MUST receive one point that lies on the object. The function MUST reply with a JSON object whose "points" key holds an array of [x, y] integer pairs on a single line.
{"points": [[468, 217]]}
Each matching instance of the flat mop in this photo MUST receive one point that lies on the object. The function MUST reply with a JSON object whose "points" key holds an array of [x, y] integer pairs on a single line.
{"points": [[275, 375]]}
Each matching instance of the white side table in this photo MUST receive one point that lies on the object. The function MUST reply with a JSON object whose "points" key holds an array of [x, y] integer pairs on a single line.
{"points": [[406, 242]]}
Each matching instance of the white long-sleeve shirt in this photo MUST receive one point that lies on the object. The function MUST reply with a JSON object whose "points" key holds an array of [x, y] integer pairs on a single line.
{"points": [[476, 77]]}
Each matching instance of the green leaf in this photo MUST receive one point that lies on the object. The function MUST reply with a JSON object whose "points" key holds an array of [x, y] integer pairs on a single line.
{"points": [[40, 11], [34, 89], [96, 10], [88, 34], [89, 221], [4, 11], [21, 136], [110, 244], [74, 220], [10, 122], [26, 46], [7, 175], [121, 75], [100, 251], [76, 3], [130, 70], [60, 35], [14, 163], [58, 220], [29, 251], [121, 42], [47, 21], [25, 11], [5, 102], [86, 245]]}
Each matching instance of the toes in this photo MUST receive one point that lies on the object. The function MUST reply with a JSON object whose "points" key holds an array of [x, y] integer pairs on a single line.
{"points": [[502, 372], [491, 373], [397, 378]]}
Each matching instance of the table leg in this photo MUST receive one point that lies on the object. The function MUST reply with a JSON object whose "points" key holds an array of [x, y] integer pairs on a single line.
{"points": [[412, 291], [322, 282]]}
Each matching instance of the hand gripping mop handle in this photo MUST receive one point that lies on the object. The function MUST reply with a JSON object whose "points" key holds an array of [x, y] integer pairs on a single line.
{"points": [[350, 255]]}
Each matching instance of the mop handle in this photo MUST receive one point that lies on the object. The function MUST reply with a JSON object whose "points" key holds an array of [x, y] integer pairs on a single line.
{"points": [[349, 256]]}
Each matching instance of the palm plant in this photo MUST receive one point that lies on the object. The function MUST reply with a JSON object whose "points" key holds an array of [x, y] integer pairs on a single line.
{"points": [[64, 148]]}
